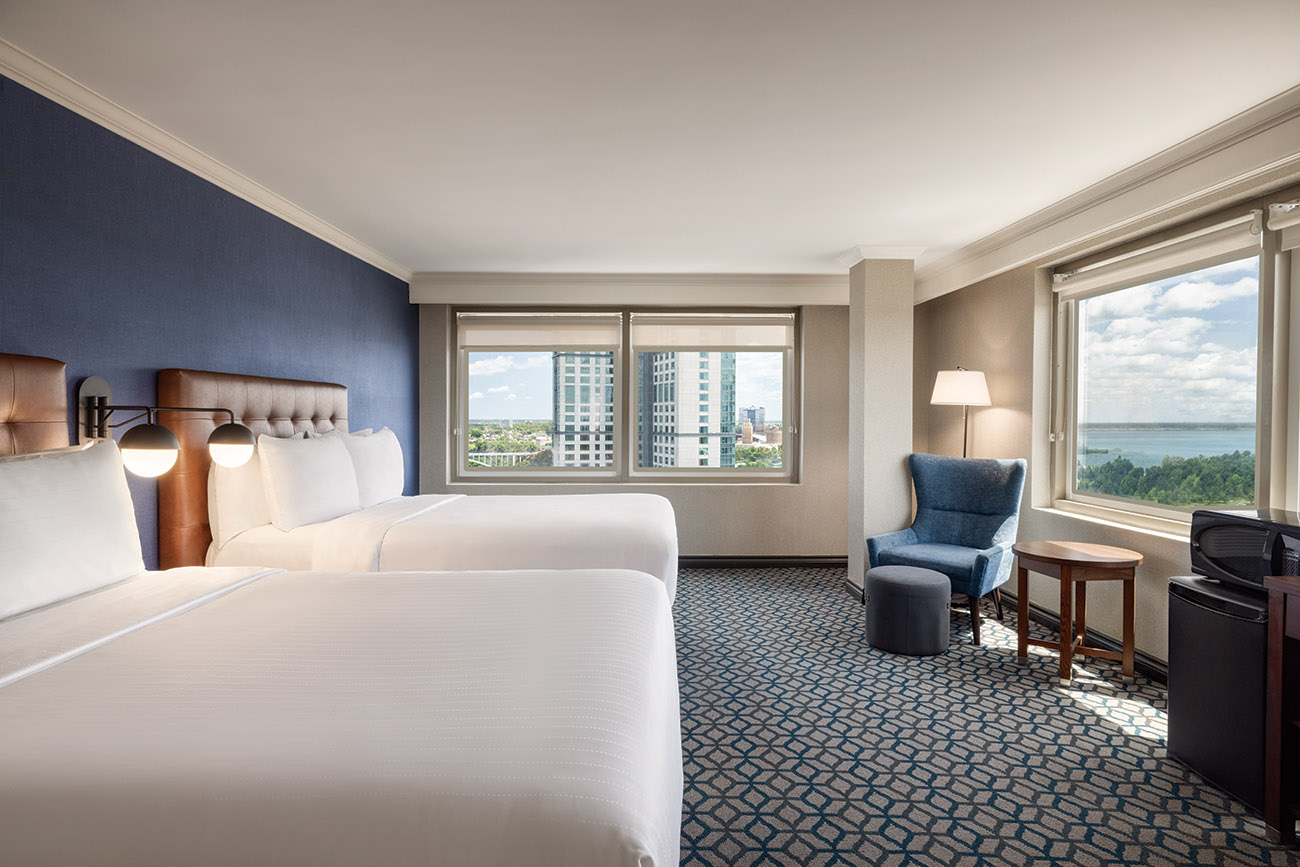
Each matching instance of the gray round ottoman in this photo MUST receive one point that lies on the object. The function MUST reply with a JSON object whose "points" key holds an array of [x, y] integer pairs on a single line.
{"points": [[907, 610]]}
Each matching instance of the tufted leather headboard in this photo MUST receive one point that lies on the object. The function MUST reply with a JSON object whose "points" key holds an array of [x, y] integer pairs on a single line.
{"points": [[33, 404], [279, 407]]}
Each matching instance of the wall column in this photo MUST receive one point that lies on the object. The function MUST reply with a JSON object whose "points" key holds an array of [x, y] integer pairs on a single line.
{"points": [[880, 402]]}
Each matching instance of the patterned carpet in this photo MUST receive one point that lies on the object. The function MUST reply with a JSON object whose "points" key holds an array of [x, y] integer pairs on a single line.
{"points": [[805, 746]]}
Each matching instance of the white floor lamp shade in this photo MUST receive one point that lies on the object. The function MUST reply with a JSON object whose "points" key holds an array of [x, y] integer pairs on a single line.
{"points": [[960, 387]]}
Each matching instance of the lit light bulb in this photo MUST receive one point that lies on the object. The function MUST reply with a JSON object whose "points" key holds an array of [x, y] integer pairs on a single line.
{"points": [[230, 455], [149, 462], [149, 450], [231, 445]]}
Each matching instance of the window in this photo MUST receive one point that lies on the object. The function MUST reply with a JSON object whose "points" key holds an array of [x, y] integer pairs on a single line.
{"points": [[646, 383], [731, 358], [518, 402], [1159, 359]]}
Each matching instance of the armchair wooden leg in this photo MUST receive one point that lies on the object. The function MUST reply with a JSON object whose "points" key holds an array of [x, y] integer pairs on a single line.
{"points": [[975, 619], [997, 600]]}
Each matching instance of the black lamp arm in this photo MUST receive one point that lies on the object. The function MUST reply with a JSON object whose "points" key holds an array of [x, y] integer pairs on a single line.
{"points": [[98, 427]]}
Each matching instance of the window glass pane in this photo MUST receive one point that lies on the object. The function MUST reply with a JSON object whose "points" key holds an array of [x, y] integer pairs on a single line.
{"points": [[1166, 389], [514, 399], [681, 402], [510, 413]]}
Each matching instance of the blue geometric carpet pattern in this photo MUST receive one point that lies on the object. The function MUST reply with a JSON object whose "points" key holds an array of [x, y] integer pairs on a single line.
{"points": [[805, 746]]}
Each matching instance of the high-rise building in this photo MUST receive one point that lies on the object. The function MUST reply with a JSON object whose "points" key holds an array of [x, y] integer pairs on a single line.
{"points": [[583, 404], [757, 416], [687, 403]]}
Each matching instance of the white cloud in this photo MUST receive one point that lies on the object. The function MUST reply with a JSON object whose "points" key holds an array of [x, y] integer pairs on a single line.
{"points": [[476, 395], [502, 363], [1157, 299], [498, 389], [489, 366], [1137, 334], [1194, 297], [512, 397], [528, 397], [1149, 370]]}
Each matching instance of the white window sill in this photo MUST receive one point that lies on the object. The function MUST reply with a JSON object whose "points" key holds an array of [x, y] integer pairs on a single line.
{"points": [[1134, 522]]}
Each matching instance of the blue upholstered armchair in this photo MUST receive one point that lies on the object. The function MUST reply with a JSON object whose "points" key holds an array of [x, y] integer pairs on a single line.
{"points": [[967, 512]]}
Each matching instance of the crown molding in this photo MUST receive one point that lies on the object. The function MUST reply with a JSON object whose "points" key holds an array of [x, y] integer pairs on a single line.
{"points": [[44, 79], [1246, 155], [731, 290], [854, 255]]}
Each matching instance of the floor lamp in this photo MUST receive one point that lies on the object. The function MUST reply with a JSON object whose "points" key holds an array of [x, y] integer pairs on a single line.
{"points": [[960, 387]]}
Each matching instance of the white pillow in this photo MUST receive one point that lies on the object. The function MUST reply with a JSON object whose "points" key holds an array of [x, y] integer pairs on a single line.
{"points": [[377, 460], [67, 526], [306, 480], [335, 432], [236, 500]]}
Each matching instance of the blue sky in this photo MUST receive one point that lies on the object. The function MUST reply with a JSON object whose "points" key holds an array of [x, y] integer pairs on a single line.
{"points": [[1176, 350], [518, 384], [510, 385]]}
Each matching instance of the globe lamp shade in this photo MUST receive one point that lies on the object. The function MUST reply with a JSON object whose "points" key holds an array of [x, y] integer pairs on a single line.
{"points": [[149, 449], [231, 445]]}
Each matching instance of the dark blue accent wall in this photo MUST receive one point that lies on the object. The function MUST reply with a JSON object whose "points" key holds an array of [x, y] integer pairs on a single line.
{"points": [[121, 263]]}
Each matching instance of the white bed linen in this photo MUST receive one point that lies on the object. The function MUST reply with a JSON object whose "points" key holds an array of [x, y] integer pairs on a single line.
{"points": [[270, 545], [351, 543], [459, 533], [325, 719], [35, 640]]}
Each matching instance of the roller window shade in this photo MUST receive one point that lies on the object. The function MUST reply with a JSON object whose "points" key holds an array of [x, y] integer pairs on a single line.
{"points": [[1285, 218], [543, 331], [723, 331], [1212, 247]]}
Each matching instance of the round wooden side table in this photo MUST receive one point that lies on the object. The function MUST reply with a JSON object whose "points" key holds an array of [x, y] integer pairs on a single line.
{"points": [[1074, 564]]}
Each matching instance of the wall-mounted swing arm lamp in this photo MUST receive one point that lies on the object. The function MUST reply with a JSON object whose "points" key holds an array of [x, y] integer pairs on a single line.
{"points": [[150, 449]]}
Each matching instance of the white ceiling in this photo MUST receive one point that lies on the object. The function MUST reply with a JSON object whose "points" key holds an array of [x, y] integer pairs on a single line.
{"points": [[746, 136]]}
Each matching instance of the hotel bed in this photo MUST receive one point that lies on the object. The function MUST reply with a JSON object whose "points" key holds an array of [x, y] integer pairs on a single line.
{"points": [[617, 531], [250, 715]]}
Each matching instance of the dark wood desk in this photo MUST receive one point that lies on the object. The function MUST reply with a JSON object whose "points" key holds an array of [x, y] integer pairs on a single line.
{"points": [[1074, 564], [1282, 711]]}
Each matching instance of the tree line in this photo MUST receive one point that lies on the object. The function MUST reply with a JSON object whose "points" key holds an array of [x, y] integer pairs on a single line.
{"points": [[1204, 480]]}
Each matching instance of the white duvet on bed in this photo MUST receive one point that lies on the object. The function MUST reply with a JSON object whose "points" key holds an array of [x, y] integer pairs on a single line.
{"points": [[390, 719], [454, 532], [36, 640]]}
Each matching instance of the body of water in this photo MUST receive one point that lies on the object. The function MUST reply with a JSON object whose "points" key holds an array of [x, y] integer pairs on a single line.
{"points": [[1146, 447]]}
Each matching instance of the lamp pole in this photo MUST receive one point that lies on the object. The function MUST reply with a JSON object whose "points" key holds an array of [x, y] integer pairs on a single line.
{"points": [[965, 430]]}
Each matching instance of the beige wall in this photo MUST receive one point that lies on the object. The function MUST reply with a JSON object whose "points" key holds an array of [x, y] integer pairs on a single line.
{"points": [[1002, 326], [755, 520]]}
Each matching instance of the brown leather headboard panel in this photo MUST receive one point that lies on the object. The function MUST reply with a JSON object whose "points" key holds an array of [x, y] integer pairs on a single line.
{"points": [[279, 407], [33, 404]]}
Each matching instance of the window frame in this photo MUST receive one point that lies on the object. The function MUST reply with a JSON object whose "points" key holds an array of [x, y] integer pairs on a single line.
{"points": [[1064, 437], [624, 469]]}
